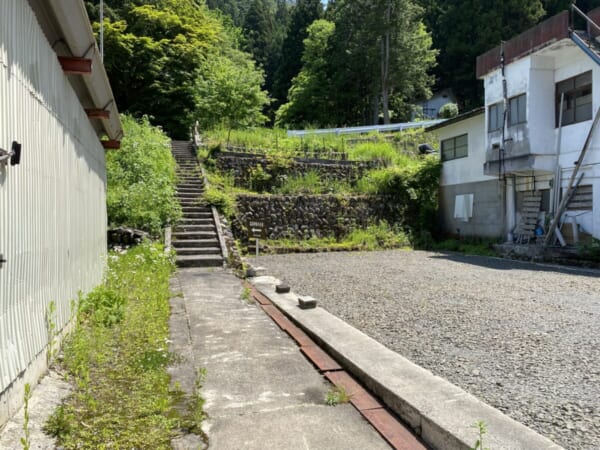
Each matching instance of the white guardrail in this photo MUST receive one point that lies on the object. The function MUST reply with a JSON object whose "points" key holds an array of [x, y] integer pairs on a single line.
{"points": [[366, 129]]}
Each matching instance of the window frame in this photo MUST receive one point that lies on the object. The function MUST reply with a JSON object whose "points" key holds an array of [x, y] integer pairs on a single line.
{"points": [[444, 151], [499, 116], [575, 92], [520, 120]]}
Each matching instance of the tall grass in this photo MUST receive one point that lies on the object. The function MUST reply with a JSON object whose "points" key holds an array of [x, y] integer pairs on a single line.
{"points": [[394, 149], [117, 360]]}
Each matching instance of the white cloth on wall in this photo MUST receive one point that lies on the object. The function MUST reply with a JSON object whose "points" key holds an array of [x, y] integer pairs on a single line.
{"points": [[463, 207]]}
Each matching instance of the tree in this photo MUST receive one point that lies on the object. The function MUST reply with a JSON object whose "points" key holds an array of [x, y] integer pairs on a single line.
{"points": [[229, 93], [156, 53], [380, 55], [309, 96], [465, 29], [259, 31], [304, 13]]}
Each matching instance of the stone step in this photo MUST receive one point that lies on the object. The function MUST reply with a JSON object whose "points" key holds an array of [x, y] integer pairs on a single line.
{"points": [[197, 215], [199, 261], [190, 191], [195, 243], [188, 222], [193, 235], [198, 251], [196, 188], [191, 183], [195, 208], [189, 195], [187, 203], [194, 227]]}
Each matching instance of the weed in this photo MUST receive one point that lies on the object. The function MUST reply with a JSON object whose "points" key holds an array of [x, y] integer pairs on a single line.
{"points": [[117, 358], [223, 201], [245, 295], [373, 237], [481, 428], [25, 440], [52, 332], [337, 395], [471, 246]]}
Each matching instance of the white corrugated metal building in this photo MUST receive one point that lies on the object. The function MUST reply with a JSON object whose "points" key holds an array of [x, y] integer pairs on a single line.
{"points": [[57, 104]]}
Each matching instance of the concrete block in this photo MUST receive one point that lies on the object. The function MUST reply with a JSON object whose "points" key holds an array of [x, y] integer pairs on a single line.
{"points": [[307, 302], [282, 288]]}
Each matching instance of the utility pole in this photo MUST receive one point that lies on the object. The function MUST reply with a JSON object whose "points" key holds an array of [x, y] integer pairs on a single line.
{"points": [[102, 30]]}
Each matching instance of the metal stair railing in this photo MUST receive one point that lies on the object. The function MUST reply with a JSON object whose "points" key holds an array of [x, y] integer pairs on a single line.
{"points": [[586, 40]]}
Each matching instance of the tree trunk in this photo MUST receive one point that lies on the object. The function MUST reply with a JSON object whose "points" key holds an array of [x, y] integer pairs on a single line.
{"points": [[375, 109], [385, 65]]}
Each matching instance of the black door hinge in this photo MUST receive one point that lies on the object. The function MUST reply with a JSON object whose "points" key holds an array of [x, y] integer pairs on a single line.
{"points": [[2, 260]]}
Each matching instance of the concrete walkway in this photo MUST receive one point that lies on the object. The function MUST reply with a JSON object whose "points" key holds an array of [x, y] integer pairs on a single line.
{"points": [[260, 391]]}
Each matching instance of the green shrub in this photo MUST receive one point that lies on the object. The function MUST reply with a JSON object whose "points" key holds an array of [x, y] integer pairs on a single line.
{"points": [[141, 179], [221, 200], [309, 183], [448, 111], [259, 179], [590, 250], [103, 306], [416, 186], [378, 236]]}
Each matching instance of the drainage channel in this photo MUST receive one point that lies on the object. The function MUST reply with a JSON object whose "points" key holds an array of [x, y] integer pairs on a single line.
{"points": [[385, 422]]}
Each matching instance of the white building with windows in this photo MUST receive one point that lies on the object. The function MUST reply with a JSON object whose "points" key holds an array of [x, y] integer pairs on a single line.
{"points": [[551, 88]]}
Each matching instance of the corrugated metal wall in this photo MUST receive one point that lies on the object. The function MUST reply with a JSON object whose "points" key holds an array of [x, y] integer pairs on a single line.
{"points": [[52, 205]]}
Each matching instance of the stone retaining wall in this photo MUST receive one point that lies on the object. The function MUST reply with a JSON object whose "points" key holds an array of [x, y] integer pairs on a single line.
{"points": [[305, 216], [240, 164]]}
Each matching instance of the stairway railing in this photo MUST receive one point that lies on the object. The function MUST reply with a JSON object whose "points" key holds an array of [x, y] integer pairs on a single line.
{"points": [[592, 28]]}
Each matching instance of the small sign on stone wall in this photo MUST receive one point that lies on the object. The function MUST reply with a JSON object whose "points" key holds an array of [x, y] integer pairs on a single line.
{"points": [[257, 229]]}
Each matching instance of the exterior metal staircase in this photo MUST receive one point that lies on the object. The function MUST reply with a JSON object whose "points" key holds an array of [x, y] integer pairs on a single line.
{"points": [[587, 40], [195, 239], [532, 202]]}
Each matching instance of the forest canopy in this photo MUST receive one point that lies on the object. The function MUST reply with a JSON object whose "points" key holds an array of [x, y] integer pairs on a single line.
{"points": [[237, 63]]}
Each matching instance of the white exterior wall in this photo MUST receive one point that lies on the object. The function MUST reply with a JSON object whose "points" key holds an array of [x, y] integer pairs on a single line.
{"points": [[52, 205], [573, 138], [469, 169], [537, 75]]}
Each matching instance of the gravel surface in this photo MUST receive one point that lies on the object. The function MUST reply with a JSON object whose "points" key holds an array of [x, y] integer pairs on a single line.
{"points": [[524, 338]]}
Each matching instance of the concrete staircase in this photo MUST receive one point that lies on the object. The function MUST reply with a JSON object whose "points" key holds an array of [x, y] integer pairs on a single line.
{"points": [[195, 238]]}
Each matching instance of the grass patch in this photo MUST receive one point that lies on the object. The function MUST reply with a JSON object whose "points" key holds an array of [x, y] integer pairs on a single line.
{"points": [[363, 147], [337, 395], [374, 237], [312, 184], [117, 359]]}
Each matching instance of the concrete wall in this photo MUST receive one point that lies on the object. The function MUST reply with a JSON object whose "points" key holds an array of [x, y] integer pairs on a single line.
{"points": [[465, 176], [488, 217], [52, 205]]}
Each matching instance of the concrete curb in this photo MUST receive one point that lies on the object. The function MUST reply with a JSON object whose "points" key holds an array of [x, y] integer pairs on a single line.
{"points": [[439, 412]]}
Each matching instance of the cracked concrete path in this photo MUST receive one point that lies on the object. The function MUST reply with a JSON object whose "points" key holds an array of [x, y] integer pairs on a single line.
{"points": [[260, 391]]}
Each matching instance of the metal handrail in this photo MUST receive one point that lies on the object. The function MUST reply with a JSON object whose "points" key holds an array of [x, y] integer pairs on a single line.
{"points": [[583, 15]]}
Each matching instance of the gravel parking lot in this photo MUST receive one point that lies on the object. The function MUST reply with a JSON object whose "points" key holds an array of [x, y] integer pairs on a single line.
{"points": [[524, 338]]}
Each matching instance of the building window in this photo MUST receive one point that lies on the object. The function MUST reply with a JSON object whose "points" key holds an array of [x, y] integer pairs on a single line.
{"points": [[456, 147], [517, 110], [577, 104], [495, 120]]}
